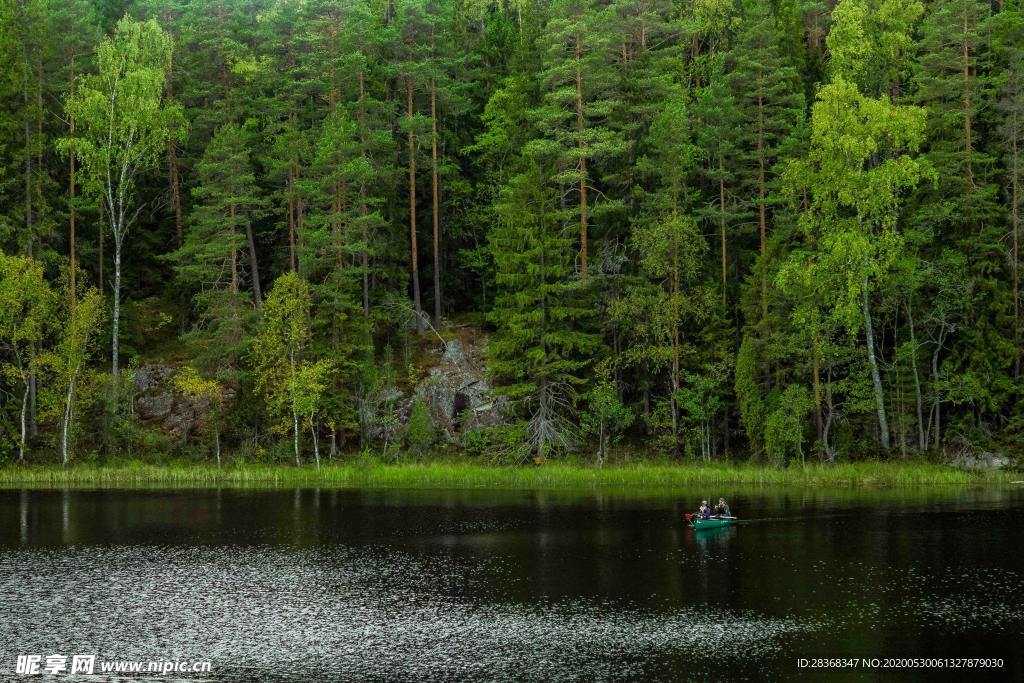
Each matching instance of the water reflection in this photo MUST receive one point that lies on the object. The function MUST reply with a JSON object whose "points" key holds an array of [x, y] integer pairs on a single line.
{"points": [[480, 584]]}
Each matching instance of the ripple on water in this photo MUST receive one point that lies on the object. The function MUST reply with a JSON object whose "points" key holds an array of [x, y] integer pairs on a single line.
{"points": [[337, 612]]}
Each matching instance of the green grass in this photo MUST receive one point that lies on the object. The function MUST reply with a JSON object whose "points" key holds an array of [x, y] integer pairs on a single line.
{"points": [[462, 474]]}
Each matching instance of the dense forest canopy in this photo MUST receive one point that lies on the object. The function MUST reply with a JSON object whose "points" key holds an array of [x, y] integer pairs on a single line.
{"points": [[755, 229]]}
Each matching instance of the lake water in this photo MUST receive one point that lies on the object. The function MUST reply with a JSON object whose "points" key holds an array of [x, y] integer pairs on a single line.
{"points": [[326, 585]]}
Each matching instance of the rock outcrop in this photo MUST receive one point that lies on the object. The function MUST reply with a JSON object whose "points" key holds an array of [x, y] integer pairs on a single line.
{"points": [[982, 461], [458, 393], [157, 404], [455, 389], [966, 457]]}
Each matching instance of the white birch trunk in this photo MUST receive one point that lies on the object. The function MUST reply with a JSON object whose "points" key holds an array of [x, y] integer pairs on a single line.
{"points": [[116, 323], [24, 408], [295, 431], [876, 379], [67, 418], [316, 442]]}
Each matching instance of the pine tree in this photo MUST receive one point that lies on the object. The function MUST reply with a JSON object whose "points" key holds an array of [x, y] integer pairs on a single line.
{"points": [[960, 210], [538, 354], [644, 61], [414, 27], [671, 249], [718, 116], [364, 45], [765, 85], [212, 261], [78, 22], [577, 102], [1010, 106], [337, 173]]}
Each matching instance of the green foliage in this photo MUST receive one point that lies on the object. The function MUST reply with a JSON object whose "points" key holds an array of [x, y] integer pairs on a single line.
{"points": [[73, 379], [292, 384], [606, 416], [419, 431], [27, 306], [666, 215], [870, 42], [540, 350], [786, 425], [212, 260], [748, 393]]}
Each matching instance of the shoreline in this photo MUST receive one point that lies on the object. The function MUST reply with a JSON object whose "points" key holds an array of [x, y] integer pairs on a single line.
{"points": [[472, 475]]}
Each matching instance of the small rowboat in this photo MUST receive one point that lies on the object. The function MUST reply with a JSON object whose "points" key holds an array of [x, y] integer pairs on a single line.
{"points": [[700, 524], [713, 523]]}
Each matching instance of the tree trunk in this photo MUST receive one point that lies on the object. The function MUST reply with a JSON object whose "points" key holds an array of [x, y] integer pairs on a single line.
{"points": [[172, 160], [24, 409], [1015, 237], [316, 442], [29, 230], [581, 144], [295, 432], [257, 292], [437, 206], [817, 395], [71, 195], [721, 227], [876, 379], [676, 352], [291, 219], [101, 240], [118, 240], [66, 427], [300, 215], [922, 442], [363, 208], [234, 252], [762, 218], [675, 388], [968, 144], [172, 164], [412, 210], [33, 424], [937, 400], [30, 244]]}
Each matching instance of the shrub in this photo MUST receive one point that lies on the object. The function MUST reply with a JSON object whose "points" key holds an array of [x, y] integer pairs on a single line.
{"points": [[419, 432], [784, 430]]}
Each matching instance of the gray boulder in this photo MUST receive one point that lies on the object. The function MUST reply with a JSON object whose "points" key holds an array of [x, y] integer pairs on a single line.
{"points": [[458, 394], [983, 461], [157, 404]]}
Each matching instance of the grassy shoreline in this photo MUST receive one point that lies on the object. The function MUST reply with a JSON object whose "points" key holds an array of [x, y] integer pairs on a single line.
{"points": [[462, 474]]}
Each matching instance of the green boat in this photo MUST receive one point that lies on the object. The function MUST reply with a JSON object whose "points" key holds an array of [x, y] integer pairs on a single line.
{"points": [[700, 524]]}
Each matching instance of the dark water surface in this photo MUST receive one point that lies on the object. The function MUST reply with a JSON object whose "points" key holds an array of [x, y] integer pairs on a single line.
{"points": [[325, 585]]}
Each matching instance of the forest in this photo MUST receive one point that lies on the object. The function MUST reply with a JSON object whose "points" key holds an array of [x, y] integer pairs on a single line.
{"points": [[748, 230]]}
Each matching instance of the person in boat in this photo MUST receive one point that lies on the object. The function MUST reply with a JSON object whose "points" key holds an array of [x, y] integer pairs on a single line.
{"points": [[705, 510], [722, 509]]}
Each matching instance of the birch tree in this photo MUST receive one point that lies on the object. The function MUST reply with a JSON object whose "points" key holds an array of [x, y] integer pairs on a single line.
{"points": [[74, 350], [123, 127], [291, 384], [26, 309], [862, 162]]}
